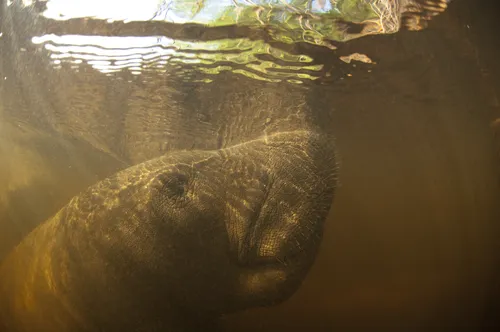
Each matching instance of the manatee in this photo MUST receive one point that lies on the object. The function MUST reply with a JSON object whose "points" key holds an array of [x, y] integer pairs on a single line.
{"points": [[172, 243], [249, 171]]}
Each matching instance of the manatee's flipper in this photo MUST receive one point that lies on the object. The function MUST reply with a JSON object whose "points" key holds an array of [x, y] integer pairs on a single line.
{"points": [[416, 13]]}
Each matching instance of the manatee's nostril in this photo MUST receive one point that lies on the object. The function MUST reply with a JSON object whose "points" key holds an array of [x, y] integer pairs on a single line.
{"points": [[173, 184], [265, 178]]}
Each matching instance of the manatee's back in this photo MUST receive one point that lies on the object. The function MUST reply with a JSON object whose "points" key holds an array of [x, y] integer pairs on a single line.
{"points": [[24, 271]]}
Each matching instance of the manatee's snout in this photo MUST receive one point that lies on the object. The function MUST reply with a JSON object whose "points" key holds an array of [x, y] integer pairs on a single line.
{"points": [[275, 225]]}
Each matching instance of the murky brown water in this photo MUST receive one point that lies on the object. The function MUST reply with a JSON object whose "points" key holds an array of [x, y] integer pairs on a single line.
{"points": [[412, 240]]}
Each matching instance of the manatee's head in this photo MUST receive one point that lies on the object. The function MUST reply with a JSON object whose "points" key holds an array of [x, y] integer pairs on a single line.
{"points": [[225, 230]]}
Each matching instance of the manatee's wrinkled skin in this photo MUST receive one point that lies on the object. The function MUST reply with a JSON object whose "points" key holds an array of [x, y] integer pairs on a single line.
{"points": [[176, 240]]}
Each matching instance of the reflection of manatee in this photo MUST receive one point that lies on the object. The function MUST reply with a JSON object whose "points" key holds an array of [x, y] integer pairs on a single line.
{"points": [[193, 234]]}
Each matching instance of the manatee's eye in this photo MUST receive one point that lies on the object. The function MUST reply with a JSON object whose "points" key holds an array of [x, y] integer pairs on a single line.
{"points": [[172, 185], [169, 194]]}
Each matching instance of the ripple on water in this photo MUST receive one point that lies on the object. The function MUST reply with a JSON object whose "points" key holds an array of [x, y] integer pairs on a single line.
{"points": [[103, 34]]}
